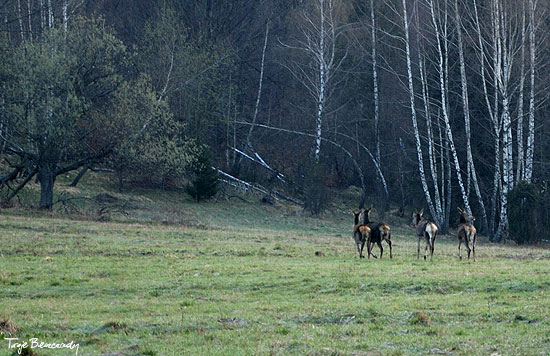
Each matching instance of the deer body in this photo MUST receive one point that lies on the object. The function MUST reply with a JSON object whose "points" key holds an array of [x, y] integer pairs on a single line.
{"points": [[361, 234], [426, 230], [379, 232], [467, 233]]}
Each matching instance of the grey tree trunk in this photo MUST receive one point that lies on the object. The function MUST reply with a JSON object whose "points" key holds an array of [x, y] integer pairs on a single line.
{"points": [[46, 178], [79, 176]]}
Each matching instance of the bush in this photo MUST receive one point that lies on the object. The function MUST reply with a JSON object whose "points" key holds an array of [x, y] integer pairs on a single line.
{"points": [[522, 207]]}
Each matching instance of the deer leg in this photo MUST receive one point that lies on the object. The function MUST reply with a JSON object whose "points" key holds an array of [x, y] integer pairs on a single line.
{"points": [[459, 254], [389, 243], [432, 242], [418, 249], [358, 244], [427, 237], [474, 246], [426, 250], [379, 243], [357, 237], [371, 245], [362, 247], [468, 241], [369, 248]]}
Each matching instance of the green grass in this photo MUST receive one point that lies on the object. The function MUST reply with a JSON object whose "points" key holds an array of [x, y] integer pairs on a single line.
{"points": [[233, 278]]}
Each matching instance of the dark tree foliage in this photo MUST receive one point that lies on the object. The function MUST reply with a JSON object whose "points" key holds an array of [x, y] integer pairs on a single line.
{"points": [[522, 205]]}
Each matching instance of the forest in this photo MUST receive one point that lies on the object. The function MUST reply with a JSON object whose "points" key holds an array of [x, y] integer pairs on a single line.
{"points": [[419, 103]]}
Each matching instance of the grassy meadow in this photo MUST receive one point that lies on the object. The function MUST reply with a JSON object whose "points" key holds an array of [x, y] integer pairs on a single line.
{"points": [[171, 277]]}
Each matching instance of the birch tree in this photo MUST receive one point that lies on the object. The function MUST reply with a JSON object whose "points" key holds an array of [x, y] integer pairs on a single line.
{"points": [[520, 166], [531, 129], [466, 109], [439, 198], [375, 82], [491, 107], [321, 26], [411, 93], [444, 108], [248, 143]]}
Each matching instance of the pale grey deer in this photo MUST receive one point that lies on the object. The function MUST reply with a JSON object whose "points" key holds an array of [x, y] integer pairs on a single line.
{"points": [[467, 233], [426, 230]]}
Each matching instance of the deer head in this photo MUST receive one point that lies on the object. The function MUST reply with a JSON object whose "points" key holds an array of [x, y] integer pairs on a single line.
{"points": [[367, 215], [356, 216], [417, 216], [465, 217]]}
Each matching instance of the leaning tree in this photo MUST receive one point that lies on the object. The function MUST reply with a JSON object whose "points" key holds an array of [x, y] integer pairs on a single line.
{"points": [[58, 89]]}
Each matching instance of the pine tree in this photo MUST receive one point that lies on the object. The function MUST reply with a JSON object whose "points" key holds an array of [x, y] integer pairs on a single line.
{"points": [[205, 182]]}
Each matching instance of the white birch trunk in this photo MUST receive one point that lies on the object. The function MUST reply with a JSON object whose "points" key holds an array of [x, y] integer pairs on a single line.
{"points": [[259, 94], [50, 14], [375, 82], [449, 183], [531, 129], [319, 31], [322, 84], [65, 19], [6, 24], [497, 127], [20, 18], [29, 19], [413, 117], [42, 15], [520, 168], [503, 77]]}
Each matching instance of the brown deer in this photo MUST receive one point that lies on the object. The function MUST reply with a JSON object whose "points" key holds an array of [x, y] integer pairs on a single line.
{"points": [[378, 232], [424, 229], [467, 233], [361, 234]]}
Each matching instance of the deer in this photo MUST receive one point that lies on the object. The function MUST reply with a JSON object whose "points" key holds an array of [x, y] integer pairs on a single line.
{"points": [[466, 232], [424, 229], [360, 233], [378, 232]]}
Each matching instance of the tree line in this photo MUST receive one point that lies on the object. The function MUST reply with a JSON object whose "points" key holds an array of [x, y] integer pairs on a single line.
{"points": [[434, 103]]}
